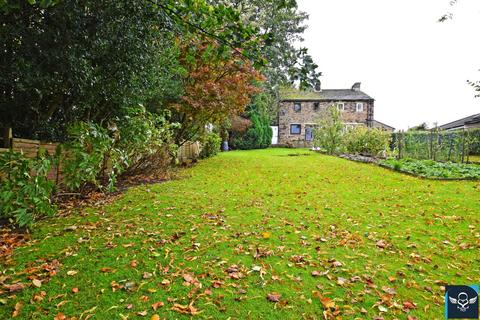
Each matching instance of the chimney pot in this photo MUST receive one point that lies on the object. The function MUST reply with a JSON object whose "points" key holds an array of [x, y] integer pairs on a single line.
{"points": [[356, 86]]}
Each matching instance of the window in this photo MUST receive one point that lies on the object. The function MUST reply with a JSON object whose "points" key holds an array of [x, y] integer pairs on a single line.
{"points": [[316, 106], [341, 106], [295, 129], [359, 107], [308, 133], [297, 107]]}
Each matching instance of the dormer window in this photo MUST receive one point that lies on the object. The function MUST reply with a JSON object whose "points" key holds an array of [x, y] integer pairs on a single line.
{"points": [[297, 107], [359, 106], [341, 106]]}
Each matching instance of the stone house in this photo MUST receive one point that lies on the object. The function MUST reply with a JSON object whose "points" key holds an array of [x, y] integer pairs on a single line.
{"points": [[299, 111]]}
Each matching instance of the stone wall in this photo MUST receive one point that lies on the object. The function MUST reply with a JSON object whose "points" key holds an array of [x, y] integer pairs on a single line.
{"points": [[309, 116]]}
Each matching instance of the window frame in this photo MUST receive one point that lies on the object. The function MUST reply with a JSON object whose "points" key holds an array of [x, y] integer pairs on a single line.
{"points": [[341, 104], [300, 129], [295, 104], [359, 104], [311, 127]]}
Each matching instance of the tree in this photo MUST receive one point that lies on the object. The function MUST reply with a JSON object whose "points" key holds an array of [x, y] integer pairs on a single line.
{"points": [[64, 61], [281, 26], [81, 61], [217, 84]]}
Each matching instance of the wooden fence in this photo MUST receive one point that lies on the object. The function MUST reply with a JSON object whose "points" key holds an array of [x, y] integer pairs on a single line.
{"points": [[30, 148], [189, 150]]}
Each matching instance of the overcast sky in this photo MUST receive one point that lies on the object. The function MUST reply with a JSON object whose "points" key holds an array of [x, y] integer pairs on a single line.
{"points": [[414, 67]]}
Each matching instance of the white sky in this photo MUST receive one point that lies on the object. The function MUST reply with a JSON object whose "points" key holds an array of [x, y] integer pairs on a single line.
{"points": [[415, 67]]}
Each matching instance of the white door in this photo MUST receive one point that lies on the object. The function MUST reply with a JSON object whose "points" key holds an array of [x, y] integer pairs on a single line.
{"points": [[274, 135]]}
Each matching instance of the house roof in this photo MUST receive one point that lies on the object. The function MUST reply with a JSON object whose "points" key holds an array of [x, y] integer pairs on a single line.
{"points": [[324, 95], [461, 122], [381, 124]]}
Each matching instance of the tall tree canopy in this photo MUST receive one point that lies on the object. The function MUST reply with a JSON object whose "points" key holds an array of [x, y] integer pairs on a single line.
{"points": [[67, 60]]}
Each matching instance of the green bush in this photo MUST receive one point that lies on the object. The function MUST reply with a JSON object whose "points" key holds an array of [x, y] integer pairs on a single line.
{"points": [[366, 141], [96, 155], [144, 138], [211, 143], [89, 151], [25, 190], [259, 134], [329, 132]]}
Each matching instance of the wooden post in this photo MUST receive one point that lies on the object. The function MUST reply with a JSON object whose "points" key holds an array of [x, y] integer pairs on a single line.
{"points": [[8, 138], [463, 145]]}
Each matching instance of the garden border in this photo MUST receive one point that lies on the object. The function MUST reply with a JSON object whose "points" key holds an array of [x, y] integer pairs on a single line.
{"points": [[375, 161]]}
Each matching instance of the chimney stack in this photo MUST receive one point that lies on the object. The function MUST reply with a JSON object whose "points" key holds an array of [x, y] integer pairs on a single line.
{"points": [[356, 86], [318, 86]]}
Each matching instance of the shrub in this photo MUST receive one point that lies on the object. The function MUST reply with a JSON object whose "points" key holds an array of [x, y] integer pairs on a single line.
{"points": [[97, 155], [144, 138], [367, 141], [210, 145], [88, 152], [259, 134], [328, 134], [25, 190]]}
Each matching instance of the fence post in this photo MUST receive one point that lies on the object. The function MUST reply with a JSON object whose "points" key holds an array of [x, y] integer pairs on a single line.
{"points": [[463, 145], [399, 144], [432, 157], [8, 138]]}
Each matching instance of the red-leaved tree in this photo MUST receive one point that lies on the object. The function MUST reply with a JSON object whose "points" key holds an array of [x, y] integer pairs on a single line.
{"points": [[218, 84]]}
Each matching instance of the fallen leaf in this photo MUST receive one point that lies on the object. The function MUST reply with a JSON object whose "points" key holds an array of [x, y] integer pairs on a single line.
{"points": [[274, 297], [189, 309], [142, 313], [327, 302], [60, 316], [382, 308], [16, 287], [75, 290], [409, 305], [381, 244], [265, 235], [157, 305], [72, 272], [37, 283], [337, 264], [155, 317], [16, 311]]}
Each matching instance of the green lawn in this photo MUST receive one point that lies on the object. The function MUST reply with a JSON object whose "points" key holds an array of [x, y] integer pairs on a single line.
{"points": [[324, 233]]}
